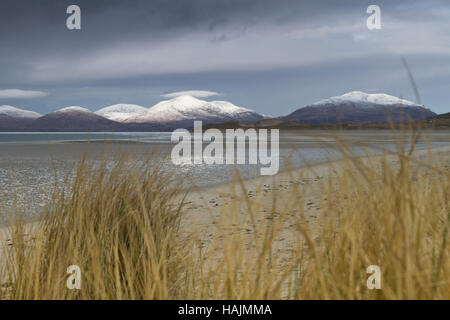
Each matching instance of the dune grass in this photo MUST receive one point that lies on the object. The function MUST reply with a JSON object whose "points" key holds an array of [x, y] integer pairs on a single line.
{"points": [[117, 224], [120, 225]]}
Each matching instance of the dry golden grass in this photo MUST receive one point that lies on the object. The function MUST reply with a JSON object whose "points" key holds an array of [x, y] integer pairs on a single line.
{"points": [[117, 224], [396, 218], [120, 225]]}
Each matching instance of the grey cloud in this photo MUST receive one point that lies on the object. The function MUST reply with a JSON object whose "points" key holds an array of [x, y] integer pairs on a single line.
{"points": [[36, 43], [21, 94], [194, 93], [176, 45]]}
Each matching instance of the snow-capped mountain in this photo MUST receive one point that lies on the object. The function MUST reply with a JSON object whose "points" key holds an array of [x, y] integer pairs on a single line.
{"points": [[13, 112], [74, 119], [360, 107], [123, 112], [367, 100], [73, 110], [180, 112], [15, 119], [184, 110]]}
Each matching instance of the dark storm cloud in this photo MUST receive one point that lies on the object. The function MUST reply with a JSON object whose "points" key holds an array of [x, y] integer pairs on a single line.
{"points": [[33, 31], [30, 29], [134, 51]]}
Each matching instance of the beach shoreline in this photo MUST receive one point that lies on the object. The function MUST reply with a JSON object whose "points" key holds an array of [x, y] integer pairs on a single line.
{"points": [[243, 208], [200, 196]]}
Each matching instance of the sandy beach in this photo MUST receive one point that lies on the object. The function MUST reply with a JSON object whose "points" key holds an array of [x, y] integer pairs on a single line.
{"points": [[244, 210], [267, 197], [205, 206]]}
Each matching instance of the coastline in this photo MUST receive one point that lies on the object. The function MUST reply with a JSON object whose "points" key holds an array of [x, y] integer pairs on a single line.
{"points": [[241, 210], [205, 199]]}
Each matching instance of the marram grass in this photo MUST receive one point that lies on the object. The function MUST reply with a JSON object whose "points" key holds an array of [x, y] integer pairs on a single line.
{"points": [[120, 225]]}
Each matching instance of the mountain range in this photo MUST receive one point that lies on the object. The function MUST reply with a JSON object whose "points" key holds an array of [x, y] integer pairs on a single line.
{"points": [[168, 115], [180, 112]]}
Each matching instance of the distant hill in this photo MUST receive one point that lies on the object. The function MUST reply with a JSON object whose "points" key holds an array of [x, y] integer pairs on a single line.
{"points": [[12, 118], [77, 119], [443, 116], [359, 108], [14, 124], [436, 122], [440, 121], [74, 119]]}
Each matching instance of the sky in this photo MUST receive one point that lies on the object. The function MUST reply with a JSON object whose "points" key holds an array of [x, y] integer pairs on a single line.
{"points": [[273, 56]]}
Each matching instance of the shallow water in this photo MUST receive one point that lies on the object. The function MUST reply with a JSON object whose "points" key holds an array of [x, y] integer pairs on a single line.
{"points": [[14, 137], [29, 162]]}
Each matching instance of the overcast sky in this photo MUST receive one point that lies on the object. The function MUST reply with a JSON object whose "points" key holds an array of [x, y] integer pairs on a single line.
{"points": [[272, 56]]}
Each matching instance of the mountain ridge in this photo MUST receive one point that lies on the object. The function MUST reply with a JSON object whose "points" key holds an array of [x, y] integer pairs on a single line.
{"points": [[13, 112], [359, 108], [180, 112]]}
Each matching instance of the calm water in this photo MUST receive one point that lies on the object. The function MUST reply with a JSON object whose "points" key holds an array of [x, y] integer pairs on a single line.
{"points": [[377, 136], [29, 161], [13, 137]]}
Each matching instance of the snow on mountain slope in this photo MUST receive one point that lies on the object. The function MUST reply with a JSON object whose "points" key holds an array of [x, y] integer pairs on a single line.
{"points": [[359, 107], [74, 114], [367, 100], [182, 110], [13, 112], [123, 112], [74, 119], [188, 108], [73, 109]]}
